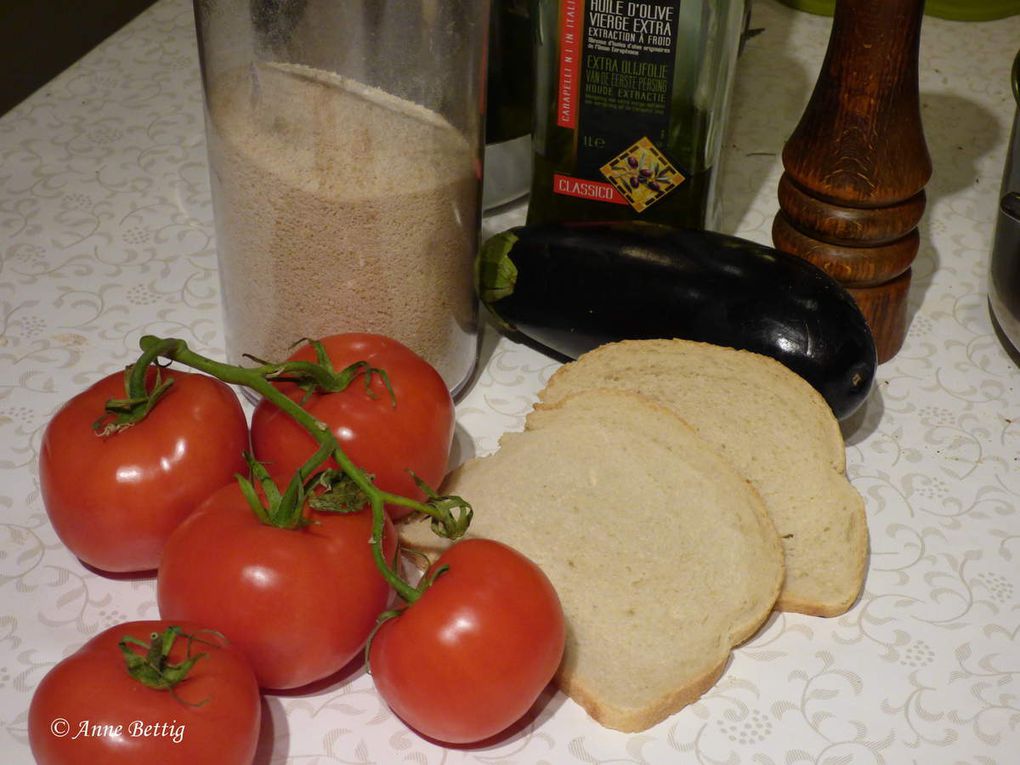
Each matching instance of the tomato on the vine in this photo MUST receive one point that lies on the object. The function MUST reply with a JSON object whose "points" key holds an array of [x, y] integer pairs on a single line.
{"points": [[300, 602], [90, 708], [473, 653], [385, 433], [114, 499]]}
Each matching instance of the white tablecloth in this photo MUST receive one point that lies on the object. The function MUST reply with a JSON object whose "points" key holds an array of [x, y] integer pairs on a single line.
{"points": [[106, 234]]}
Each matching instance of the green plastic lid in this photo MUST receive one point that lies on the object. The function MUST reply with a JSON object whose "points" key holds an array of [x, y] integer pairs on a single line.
{"points": [[958, 10], [821, 7]]}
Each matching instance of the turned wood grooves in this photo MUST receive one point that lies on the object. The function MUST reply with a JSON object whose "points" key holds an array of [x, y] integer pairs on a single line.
{"points": [[857, 163]]}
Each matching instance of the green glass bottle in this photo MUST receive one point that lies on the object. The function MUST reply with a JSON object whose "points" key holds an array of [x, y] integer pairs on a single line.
{"points": [[631, 98], [510, 91], [509, 100]]}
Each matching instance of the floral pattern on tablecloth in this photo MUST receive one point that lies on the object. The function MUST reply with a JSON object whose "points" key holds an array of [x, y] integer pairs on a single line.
{"points": [[106, 234]]}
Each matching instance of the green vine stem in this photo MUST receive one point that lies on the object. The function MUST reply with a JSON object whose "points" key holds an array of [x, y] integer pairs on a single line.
{"points": [[258, 379]]}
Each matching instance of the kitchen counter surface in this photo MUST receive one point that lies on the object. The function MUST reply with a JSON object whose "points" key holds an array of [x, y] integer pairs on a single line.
{"points": [[106, 234]]}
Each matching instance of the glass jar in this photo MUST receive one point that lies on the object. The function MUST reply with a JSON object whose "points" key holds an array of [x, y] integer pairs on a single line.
{"points": [[1004, 268], [345, 141]]}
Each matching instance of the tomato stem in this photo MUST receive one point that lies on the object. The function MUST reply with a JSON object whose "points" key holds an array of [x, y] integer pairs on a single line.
{"points": [[288, 512], [136, 380], [153, 668], [138, 401]]}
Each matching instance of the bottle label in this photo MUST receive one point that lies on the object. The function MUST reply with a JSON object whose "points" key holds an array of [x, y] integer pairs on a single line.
{"points": [[614, 90]]}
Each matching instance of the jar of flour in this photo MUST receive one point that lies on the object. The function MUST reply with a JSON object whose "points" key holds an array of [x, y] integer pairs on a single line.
{"points": [[345, 141]]}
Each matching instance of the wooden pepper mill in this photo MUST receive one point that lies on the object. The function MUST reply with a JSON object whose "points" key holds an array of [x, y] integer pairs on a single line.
{"points": [[857, 163]]}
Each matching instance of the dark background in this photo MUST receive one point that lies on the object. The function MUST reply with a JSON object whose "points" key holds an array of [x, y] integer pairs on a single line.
{"points": [[41, 38]]}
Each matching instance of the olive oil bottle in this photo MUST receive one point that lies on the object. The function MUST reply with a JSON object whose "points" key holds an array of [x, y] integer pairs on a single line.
{"points": [[631, 98]]}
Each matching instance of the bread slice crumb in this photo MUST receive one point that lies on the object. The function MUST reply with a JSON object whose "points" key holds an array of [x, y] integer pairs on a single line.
{"points": [[662, 553], [775, 429]]}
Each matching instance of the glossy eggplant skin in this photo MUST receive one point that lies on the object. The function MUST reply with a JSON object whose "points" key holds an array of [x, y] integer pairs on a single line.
{"points": [[572, 287]]}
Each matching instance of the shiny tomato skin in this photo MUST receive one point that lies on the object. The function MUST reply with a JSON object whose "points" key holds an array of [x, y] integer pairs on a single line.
{"points": [[471, 656], [217, 710], [299, 603], [382, 439], [114, 500]]}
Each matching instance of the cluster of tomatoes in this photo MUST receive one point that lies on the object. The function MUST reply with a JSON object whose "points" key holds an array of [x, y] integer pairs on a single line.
{"points": [[247, 604]]}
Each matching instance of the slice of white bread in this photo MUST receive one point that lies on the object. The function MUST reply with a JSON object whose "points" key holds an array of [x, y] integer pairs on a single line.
{"points": [[662, 554], [775, 429]]}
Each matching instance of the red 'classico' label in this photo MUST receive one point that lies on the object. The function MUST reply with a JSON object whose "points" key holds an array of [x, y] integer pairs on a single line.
{"points": [[585, 189]]}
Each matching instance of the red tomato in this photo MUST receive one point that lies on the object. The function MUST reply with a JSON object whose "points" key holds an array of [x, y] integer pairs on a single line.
{"points": [[114, 500], [299, 602], [382, 439], [89, 710], [471, 656]]}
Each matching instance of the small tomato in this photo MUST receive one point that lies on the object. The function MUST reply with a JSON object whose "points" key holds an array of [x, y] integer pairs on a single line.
{"points": [[472, 654], [300, 603], [89, 708], [114, 499], [385, 435]]}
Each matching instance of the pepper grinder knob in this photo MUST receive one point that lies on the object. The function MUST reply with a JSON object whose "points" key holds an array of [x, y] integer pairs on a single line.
{"points": [[856, 165]]}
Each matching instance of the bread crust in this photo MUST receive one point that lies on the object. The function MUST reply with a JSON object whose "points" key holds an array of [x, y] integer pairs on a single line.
{"points": [[628, 721]]}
